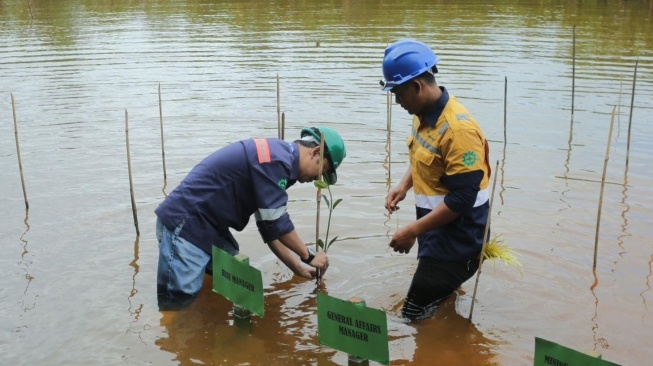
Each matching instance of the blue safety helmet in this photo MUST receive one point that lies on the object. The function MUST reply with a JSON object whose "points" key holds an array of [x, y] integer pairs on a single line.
{"points": [[404, 60]]}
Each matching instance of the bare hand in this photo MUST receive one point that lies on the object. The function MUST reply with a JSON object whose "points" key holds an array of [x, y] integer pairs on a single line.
{"points": [[403, 240], [305, 272], [395, 196], [321, 262]]}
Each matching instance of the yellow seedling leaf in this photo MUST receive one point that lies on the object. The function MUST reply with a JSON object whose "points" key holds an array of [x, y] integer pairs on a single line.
{"points": [[497, 249]]}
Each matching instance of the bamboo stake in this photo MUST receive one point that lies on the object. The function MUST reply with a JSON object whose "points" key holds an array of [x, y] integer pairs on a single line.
{"points": [[505, 133], [129, 168], [621, 89], [20, 162], [505, 111], [605, 168], [319, 201], [278, 110], [487, 230], [630, 119], [283, 125], [163, 152], [573, 74]]}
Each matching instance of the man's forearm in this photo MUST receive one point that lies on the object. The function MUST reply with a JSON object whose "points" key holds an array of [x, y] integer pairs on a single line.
{"points": [[440, 216], [287, 256], [294, 243]]}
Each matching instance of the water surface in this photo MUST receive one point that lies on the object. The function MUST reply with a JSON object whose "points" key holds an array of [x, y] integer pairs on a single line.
{"points": [[78, 286]]}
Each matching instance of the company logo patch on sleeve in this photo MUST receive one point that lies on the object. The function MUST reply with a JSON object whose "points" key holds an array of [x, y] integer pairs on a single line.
{"points": [[469, 158], [283, 183]]}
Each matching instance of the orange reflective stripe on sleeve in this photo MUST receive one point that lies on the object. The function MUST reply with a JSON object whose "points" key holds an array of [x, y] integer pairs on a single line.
{"points": [[263, 150]]}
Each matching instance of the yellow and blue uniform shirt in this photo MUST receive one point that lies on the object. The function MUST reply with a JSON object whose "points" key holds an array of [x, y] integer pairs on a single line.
{"points": [[449, 163]]}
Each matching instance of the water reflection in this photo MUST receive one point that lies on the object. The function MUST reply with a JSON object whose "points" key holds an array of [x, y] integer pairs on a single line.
{"points": [[595, 316], [387, 162], [450, 339], [624, 225], [25, 263], [205, 332], [647, 282], [134, 313], [598, 341], [567, 164]]}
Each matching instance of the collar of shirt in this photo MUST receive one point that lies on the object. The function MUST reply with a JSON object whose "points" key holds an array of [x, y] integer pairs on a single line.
{"points": [[430, 117]]}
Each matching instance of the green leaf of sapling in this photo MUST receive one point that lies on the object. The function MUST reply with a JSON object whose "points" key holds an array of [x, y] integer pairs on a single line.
{"points": [[330, 242], [336, 203], [327, 201], [321, 184], [320, 244]]}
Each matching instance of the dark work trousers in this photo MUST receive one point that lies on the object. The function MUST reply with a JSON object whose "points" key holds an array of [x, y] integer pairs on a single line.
{"points": [[434, 281]]}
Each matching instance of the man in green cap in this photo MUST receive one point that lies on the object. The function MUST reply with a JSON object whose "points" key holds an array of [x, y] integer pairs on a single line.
{"points": [[223, 191]]}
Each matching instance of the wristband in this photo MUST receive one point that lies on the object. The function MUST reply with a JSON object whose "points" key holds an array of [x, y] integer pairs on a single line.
{"points": [[311, 256]]}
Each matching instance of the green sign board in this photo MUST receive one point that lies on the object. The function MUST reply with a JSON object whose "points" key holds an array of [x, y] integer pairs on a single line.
{"points": [[239, 282], [352, 328], [548, 353]]}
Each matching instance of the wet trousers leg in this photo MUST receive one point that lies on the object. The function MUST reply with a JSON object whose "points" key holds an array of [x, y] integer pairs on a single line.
{"points": [[432, 283]]}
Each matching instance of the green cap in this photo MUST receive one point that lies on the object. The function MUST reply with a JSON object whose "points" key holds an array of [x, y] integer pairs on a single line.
{"points": [[335, 148]]}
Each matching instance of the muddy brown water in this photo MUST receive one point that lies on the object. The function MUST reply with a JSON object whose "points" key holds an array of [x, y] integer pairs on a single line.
{"points": [[77, 286]]}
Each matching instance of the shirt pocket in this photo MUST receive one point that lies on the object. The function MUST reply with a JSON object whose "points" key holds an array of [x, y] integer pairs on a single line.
{"points": [[426, 164], [423, 156], [418, 153]]}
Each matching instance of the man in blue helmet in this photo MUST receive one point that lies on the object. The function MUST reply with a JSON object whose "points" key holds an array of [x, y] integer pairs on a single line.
{"points": [[449, 173], [223, 191]]}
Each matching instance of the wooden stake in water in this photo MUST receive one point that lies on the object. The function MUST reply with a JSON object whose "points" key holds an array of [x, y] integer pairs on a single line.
{"points": [[573, 73], [319, 201], [163, 150], [20, 162], [278, 110], [630, 119], [605, 168], [485, 235], [505, 111], [283, 125], [242, 316], [129, 168], [351, 359]]}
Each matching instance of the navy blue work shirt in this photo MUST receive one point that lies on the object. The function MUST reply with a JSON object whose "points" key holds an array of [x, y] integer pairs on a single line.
{"points": [[226, 188]]}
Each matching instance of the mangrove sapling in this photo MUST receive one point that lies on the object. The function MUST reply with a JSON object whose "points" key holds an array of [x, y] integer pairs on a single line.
{"points": [[331, 205], [496, 249]]}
